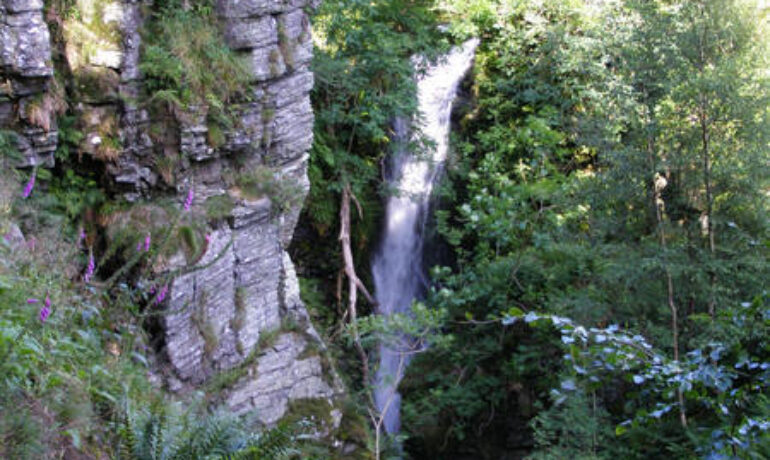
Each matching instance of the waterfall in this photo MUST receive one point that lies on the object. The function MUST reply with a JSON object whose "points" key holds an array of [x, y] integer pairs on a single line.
{"points": [[397, 266]]}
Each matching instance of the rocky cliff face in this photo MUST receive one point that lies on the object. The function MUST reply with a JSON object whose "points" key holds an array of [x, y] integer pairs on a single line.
{"points": [[26, 72], [242, 312]]}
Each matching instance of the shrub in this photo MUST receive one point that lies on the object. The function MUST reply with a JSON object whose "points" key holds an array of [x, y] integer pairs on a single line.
{"points": [[188, 68], [262, 181]]}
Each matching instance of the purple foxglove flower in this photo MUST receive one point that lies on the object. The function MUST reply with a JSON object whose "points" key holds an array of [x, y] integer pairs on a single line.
{"points": [[189, 200], [47, 301], [161, 295], [32, 300], [44, 313], [30, 185], [147, 241], [90, 269]]}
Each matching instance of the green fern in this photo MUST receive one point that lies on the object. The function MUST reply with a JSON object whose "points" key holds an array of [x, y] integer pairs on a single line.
{"points": [[8, 148], [126, 432], [276, 443], [163, 432]]}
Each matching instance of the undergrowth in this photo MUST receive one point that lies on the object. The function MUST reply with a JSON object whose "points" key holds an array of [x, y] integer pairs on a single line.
{"points": [[188, 71], [75, 362], [261, 181]]}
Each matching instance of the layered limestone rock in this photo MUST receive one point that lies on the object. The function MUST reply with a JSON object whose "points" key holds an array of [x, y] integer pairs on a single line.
{"points": [[102, 49], [27, 104], [240, 311], [276, 37], [243, 309], [285, 372]]}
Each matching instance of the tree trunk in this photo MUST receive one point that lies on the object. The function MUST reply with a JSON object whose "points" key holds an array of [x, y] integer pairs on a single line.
{"points": [[354, 284], [704, 132], [659, 183], [703, 115]]}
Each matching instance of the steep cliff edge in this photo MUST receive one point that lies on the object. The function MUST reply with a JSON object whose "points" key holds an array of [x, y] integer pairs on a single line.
{"points": [[240, 315]]}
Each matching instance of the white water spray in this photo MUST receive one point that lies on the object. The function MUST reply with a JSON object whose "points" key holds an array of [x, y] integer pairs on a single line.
{"points": [[397, 267]]}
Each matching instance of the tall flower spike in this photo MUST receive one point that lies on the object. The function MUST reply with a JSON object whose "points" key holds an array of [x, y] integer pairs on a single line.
{"points": [[188, 202], [44, 313], [30, 184], [147, 241], [161, 295], [90, 269], [46, 310]]}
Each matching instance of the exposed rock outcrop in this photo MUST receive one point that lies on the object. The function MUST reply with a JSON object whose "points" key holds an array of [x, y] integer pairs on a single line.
{"points": [[26, 72], [286, 372], [242, 310], [220, 313]]}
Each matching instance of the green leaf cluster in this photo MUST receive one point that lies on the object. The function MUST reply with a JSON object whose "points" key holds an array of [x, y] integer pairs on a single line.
{"points": [[610, 147]]}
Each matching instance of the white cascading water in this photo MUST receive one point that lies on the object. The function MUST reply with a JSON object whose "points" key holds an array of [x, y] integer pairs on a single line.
{"points": [[397, 267]]}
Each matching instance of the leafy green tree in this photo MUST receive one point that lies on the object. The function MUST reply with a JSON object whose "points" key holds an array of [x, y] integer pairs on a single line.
{"points": [[610, 171]]}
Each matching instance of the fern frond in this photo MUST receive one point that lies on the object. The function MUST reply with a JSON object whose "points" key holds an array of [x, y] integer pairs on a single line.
{"points": [[128, 443], [274, 444]]}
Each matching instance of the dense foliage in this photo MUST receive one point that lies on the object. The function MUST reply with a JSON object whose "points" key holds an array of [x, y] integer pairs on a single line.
{"points": [[607, 212], [614, 171]]}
